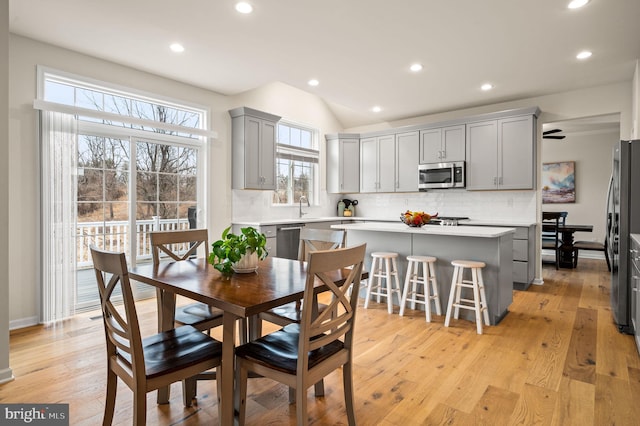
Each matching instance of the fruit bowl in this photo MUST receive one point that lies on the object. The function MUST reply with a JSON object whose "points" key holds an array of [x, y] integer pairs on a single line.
{"points": [[416, 219]]}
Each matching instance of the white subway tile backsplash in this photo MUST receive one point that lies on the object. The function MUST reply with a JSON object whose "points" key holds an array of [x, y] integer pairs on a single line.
{"points": [[478, 205]]}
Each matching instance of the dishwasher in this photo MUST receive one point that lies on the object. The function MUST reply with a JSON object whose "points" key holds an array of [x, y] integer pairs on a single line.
{"points": [[288, 239]]}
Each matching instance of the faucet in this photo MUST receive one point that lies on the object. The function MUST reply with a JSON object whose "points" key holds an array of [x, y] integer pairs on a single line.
{"points": [[302, 197]]}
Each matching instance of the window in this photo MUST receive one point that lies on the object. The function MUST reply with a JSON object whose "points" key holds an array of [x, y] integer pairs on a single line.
{"points": [[138, 166], [296, 164]]}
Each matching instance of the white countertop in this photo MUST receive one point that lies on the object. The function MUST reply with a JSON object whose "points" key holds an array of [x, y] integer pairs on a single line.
{"points": [[488, 222], [455, 231]]}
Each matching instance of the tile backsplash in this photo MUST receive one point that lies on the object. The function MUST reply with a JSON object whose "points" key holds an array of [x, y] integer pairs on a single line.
{"points": [[478, 205]]}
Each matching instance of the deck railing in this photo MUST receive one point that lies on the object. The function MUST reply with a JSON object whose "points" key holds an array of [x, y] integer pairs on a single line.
{"points": [[114, 236]]}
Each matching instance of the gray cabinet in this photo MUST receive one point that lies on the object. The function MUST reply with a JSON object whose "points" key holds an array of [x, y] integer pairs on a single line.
{"points": [[635, 287], [442, 144], [377, 164], [501, 153], [343, 164], [406, 164], [253, 137], [523, 255], [389, 163]]}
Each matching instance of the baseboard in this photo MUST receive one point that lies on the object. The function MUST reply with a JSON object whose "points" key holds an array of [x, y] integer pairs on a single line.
{"points": [[23, 322], [6, 375]]}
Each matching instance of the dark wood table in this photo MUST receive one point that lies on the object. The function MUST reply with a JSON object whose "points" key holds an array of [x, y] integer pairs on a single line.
{"points": [[566, 249], [276, 282]]}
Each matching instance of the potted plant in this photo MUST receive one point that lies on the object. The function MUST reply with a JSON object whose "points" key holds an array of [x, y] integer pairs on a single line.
{"points": [[238, 253]]}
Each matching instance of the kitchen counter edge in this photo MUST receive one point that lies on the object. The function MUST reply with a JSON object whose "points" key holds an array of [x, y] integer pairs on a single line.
{"points": [[454, 231]]}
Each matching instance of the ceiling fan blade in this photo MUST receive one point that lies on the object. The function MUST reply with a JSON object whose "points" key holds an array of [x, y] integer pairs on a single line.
{"points": [[549, 132], [552, 137]]}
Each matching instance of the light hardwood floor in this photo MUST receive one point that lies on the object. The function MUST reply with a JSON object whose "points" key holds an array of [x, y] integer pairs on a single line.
{"points": [[556, 359]]}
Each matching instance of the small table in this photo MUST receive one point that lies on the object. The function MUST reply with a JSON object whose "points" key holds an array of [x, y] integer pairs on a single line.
{"points": [[276, 282], [566, 249]]}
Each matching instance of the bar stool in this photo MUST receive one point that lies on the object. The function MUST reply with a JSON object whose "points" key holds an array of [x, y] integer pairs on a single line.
{"points": [[384, 265], [479, 301], [415, 280]]}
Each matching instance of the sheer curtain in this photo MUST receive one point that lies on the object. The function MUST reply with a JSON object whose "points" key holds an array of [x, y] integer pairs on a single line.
{"points": [[59, 192]]}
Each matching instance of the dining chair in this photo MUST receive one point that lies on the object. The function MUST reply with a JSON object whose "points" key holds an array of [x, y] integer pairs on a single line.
{"points": [[300, 355], [150, 363], [310, 240], [179, 246], [551, 222]]}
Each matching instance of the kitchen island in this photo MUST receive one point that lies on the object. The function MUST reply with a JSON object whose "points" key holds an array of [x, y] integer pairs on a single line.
{"points": [[491, 245]]}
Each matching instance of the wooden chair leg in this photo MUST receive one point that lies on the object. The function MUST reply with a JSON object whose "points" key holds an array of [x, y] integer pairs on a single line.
{"points": [[189, 390], [241, 393], [109, 407], [301, 406], [140, 407], [349, 403]]}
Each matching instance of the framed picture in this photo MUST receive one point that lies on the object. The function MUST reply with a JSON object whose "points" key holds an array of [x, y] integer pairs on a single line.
{"points": [[559, 182]]}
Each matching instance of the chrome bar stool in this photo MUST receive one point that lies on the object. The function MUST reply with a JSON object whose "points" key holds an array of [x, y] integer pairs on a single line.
{"points": [[383, 266], [414, 280], [479, 302]]}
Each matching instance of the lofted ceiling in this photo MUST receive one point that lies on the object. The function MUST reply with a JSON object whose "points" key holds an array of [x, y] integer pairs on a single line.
{"points": [[359, 50]]}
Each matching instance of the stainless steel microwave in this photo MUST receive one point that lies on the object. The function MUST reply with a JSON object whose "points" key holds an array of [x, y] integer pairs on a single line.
{"points": [[441, 175]]}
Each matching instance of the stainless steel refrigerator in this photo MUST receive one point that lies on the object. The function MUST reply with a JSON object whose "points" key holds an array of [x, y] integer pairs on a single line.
{"points": [[623, 219]]}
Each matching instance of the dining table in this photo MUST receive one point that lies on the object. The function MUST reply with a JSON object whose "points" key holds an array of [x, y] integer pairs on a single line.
{"points": [[566, 248], [276, 281]]}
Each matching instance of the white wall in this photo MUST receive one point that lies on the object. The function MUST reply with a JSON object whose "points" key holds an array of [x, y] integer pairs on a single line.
{"points": [[592, 154], [5, 370], [635, 104]]}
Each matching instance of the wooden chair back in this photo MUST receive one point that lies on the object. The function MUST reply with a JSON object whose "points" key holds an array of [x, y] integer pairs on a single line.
{"points": [[335, 322], [318, 239], [178, 245], [122, 330], [178, 354], [551, 222]]}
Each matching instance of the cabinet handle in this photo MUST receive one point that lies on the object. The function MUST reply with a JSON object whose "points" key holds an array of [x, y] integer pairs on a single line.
{"points": [[443, 155], [495, 181]]}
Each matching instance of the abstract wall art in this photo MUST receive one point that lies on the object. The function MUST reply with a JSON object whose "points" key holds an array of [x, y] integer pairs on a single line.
{"points": [[559, 182]]}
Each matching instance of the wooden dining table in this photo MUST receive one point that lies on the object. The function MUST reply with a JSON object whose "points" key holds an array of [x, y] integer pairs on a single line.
{"points": [[566, 249], [276, 282]]}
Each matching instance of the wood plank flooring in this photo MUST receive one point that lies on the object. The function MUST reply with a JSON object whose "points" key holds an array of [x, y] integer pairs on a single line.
{"points": [[556, 359]]}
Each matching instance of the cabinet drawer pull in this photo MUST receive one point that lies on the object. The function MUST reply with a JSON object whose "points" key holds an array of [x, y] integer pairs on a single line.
{"points": [[291, 228]]}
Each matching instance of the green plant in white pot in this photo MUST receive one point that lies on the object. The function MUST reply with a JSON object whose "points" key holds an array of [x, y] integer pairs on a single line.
{"points": [[239, 253]]}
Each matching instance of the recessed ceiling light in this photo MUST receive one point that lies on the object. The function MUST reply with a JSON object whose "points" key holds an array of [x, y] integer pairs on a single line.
{"points": [[486, 86], [416, 67], [177, 47], [313, 82], [584, 54], [575, 4], [244, 7], [376, 109]]}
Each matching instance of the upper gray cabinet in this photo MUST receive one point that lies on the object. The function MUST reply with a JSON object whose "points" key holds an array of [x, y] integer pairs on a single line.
{"points": [[501, 153], [253, 136], [407, 162], [442, 144], [343, 164], [377, 164], [389, 163]]}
